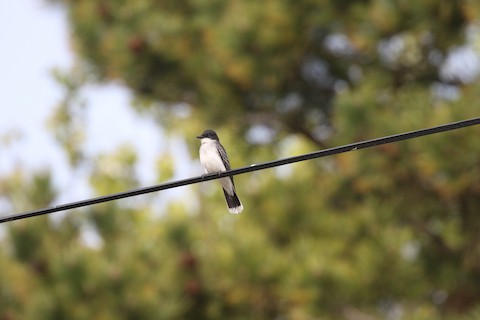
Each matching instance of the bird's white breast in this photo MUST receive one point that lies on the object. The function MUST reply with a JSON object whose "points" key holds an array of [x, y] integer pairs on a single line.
{"points": [[212, 162], [209, 157]]}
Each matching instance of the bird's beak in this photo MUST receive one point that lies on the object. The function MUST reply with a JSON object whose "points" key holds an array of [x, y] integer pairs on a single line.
{"points": [[199, 137]]}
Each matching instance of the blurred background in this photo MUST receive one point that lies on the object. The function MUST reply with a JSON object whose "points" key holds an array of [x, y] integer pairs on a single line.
{"points": [[106, 96]]}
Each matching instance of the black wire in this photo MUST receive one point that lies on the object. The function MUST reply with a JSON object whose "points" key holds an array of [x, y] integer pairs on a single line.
{"points": [[253, 167]]}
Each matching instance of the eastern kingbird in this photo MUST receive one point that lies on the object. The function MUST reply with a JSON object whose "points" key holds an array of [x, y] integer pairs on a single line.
{"points": [[213, 158]]}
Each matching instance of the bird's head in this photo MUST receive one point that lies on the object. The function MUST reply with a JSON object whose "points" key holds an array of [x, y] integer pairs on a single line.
{"points": [[208, 134]]}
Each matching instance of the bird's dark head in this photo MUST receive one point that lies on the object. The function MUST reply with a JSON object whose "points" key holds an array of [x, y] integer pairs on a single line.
{"points": [[210, 134]]}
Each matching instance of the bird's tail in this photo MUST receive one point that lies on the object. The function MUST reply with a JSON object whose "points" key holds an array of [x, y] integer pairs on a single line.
{"points": [[233, 203]]}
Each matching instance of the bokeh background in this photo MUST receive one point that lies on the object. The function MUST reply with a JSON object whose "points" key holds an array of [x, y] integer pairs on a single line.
{"points": [[105, 96]]}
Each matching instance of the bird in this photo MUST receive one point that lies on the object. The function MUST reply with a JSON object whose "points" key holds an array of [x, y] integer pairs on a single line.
{"points": [[213, 158]]}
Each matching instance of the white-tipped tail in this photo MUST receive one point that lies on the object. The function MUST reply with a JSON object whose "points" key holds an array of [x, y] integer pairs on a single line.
{"points": [[233, 203], [236, 210]]}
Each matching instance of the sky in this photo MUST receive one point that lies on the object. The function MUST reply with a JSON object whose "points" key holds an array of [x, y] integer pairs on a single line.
{"points": [[35, 40]]}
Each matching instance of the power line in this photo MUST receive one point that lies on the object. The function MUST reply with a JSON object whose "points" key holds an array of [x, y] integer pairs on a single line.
{"points": [[253, 167]]}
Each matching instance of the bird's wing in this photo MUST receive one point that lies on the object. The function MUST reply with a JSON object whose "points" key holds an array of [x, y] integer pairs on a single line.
{"points": [[223, 156], [226, 163]]}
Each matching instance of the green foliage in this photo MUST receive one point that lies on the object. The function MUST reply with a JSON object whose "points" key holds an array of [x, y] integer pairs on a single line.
{"points": [[388, 232], [68, 121], [274, 63]]}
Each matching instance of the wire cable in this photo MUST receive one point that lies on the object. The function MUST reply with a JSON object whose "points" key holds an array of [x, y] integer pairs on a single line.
{"points": [[251, 168]]}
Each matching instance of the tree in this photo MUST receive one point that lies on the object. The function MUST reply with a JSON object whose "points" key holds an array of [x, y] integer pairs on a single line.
{"points": [[376, 233]]}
